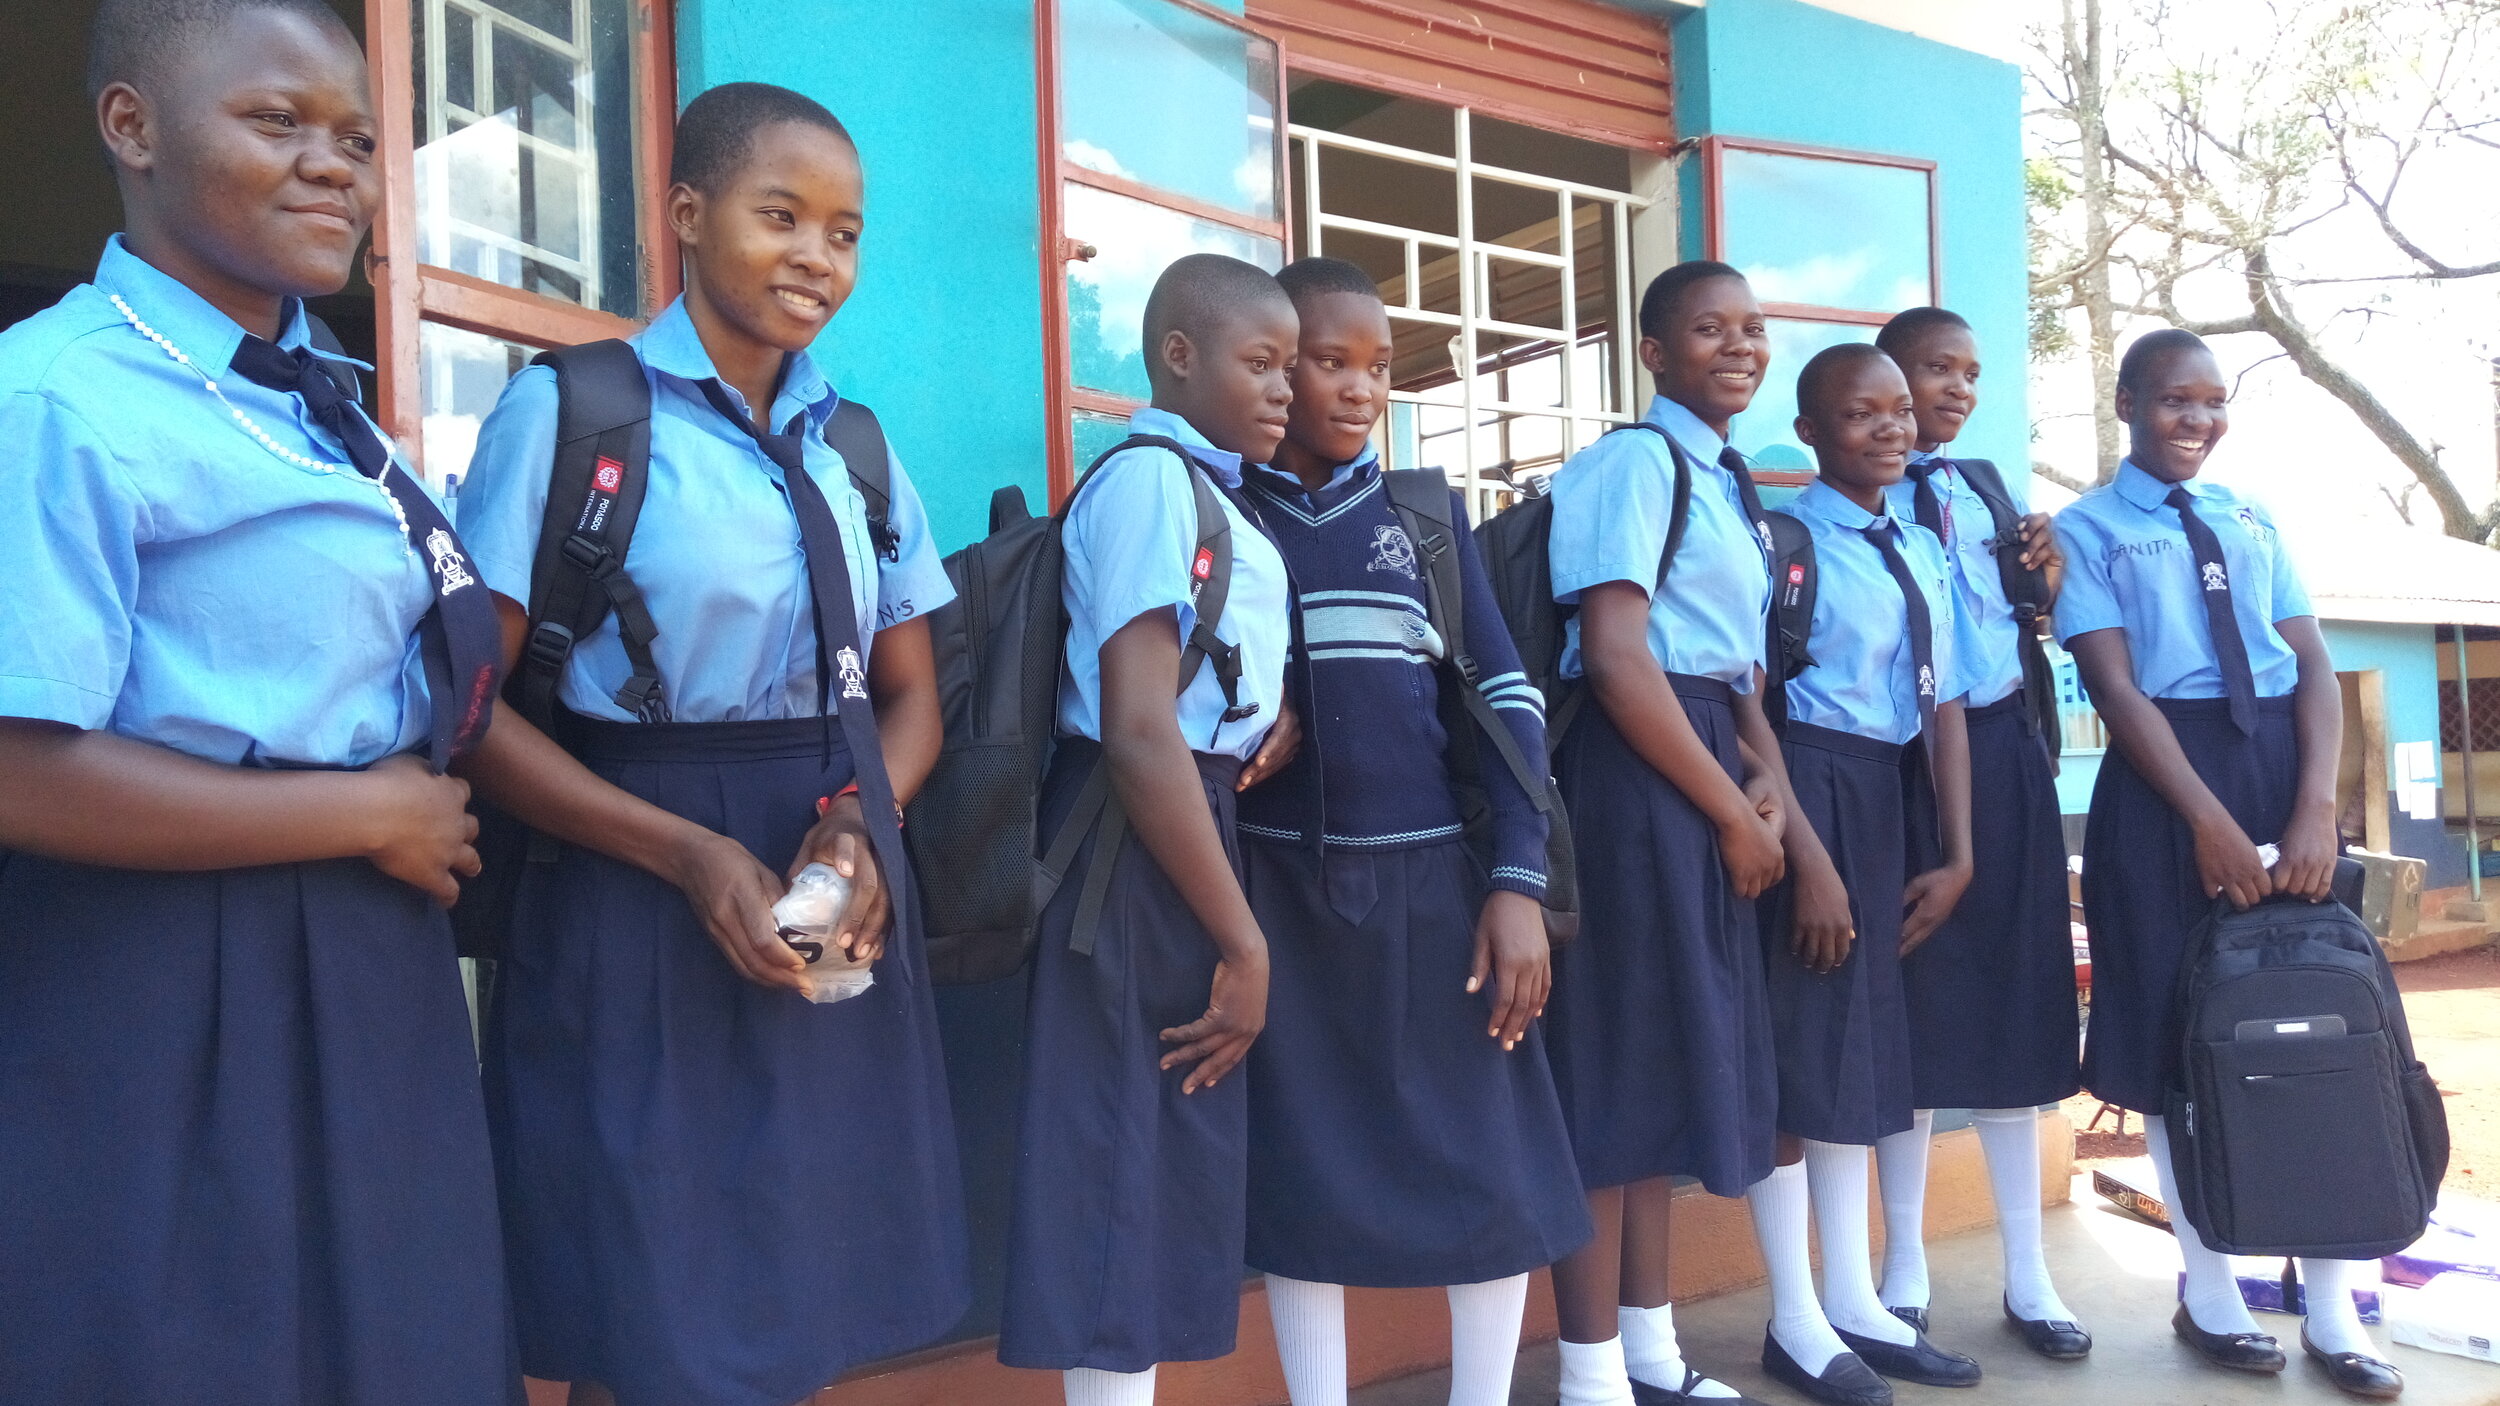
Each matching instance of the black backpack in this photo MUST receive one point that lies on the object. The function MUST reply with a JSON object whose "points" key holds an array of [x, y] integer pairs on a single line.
{"points": [[1422, 500], [999, 644], [2028, 592], [595, 484], [1516, 546], [1796, 578], [2300, 1122]]}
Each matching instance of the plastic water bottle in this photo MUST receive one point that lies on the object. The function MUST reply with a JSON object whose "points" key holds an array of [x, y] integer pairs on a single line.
{"points": [[805, 918]]}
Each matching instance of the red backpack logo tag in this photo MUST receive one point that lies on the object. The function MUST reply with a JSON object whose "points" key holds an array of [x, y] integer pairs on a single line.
{"points": [[610, 475]]}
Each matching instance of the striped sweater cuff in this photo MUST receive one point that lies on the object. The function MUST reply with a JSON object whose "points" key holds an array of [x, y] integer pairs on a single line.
{"points": [[1519, 879]]}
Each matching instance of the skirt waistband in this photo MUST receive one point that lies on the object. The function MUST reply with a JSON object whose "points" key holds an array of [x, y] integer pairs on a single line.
{"points": [[2210, 708], [1223, 770], [1847, 744], [1707, 689], [759, 740], [2015, 702]]}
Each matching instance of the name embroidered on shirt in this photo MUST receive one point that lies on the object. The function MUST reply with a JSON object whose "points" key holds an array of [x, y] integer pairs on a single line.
{"points": [[2154, 547], [1391, 551], [2214, 579], [451, 572], [846, 661], [2256, 530]]}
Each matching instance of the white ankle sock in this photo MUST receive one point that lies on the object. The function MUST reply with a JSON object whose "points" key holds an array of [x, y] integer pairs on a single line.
{"points": [[1309, 1320], [1901, 1177], [2213, 1290], [1592, 1374], [1778, 1202], [1836, 1175], [2011, 1138], [1484, 1340], [2334, 1322], [1088, 1386], [1652, 1355]]}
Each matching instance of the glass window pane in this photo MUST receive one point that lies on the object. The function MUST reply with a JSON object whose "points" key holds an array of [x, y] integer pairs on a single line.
{"points": [[1134, 243], [538, 192], [459, 377], [1095, 433], [1768, 431], [1836, 234], [1216, 141]]}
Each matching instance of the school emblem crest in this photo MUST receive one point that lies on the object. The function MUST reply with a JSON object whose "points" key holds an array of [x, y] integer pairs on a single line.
{"points": [[854, 678], [451, 570], [1926, 681], [2214, 579], [2247, 518], [1762, 535], [1391, 551]]}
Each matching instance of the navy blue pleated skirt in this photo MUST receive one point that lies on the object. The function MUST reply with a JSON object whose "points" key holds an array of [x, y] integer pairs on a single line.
{"points": [[2142, 895], [1991, 993], [1125, 1239], [243, 1160], [1843, 1037], [1393, 1144], [1659, 1029], [716, 1194]]}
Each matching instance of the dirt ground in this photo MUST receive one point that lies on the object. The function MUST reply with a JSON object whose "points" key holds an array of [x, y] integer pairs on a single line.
{"points": [[2453, 1003]]}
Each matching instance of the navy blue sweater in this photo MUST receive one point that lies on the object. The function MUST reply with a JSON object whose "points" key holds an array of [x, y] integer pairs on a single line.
{"points": [[1375, 680]]}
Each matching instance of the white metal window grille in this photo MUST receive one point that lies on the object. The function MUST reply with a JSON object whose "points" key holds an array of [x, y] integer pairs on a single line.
{"points": [[1480, 427]]}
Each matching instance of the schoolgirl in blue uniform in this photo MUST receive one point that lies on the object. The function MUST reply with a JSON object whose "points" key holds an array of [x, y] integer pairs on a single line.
{"points": [[1878, 855], [1403, 1125], [2199, 648], [1659, 1029], [1991, 991], [243, 1159], [718, 1194], [1125, 1241]]}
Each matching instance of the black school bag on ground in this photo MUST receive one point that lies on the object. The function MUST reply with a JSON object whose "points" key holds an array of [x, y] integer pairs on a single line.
{"points": [[595, 484], [2300, 1122], [1422, 500], [1516, 547], [974, 827]]}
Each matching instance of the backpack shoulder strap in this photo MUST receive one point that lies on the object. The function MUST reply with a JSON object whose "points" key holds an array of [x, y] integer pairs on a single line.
{"points": [[853, 432], [1794, 573], [2026, 590], [1681, 514], [594, 496], [1210, 569]]}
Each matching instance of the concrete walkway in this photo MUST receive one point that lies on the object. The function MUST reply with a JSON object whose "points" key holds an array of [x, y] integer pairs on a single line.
{"points": [[2115, 1271]]}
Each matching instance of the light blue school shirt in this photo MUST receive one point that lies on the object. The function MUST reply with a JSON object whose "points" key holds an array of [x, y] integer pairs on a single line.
{"points": [[1987, 641], [1130, 537], [171, 580], [1865, 679], [716, 552], [2128, 567], [1612, 505]]}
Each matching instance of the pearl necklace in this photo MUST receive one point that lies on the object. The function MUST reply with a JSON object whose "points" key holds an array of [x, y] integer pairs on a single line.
{"points": [[249, 426]]}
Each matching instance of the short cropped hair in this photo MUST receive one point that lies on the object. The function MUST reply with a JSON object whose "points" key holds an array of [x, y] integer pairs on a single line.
{"points": [[1319, 275], [717, 130], [1906, 330], [1659, 299], [1826, 367], [131, 39], [1196, 294], [2153, 349]]}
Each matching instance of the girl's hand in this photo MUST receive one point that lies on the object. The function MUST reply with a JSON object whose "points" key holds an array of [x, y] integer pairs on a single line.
{"points": [[840, 842], [2228, 865], [2307, 865], [1750, 848], [2041, 553], [1928, 901], [1276, 749], [1765, 795], [733, 893], [1236, 1013], [423, 833], [1822, 927], [1511, 947]]}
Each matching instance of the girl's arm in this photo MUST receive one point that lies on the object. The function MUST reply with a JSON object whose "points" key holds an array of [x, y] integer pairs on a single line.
{"points": [[1157, 783], [94, 797], [2226, 860], [2310, 842], [1821, 926], [1930, 897], [523, 771]]}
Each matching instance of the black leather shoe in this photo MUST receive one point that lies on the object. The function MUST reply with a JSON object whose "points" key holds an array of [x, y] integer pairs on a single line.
{"points": [[2241, 1352], [2357, 1373], [1917, 1361], [1845, 1381], [1643, 1394], [1915, 1317], [2052, 1338]]}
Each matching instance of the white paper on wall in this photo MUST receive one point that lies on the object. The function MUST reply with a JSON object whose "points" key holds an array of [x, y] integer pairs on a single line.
{"points": [[2417, 779]]}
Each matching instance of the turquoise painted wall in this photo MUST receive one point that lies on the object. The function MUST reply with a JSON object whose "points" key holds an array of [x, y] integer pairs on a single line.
{"points": [[1788, 71], [943, 335]]}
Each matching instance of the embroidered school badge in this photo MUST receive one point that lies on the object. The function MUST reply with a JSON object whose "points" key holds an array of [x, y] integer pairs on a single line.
{"points": [[2214, 579], [451, 571], [1391, 551], [846, 662], [1926, 681], [2256, 530]]}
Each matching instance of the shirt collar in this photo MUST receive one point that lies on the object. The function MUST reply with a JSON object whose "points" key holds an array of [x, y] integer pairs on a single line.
{"points": [[1347, 475], [1820, 499], [1152, 420], [181, 316], [672, 347], [1686, 428], [2139, 487]]}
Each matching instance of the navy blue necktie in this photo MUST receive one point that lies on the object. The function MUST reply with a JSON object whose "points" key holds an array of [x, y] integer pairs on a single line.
{"points": [[1926, 508], [2213, 579], [1922, 626], [1748, 495]]}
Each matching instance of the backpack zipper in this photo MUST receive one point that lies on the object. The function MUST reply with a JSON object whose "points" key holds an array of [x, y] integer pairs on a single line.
{"points": [[977, 615]]}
